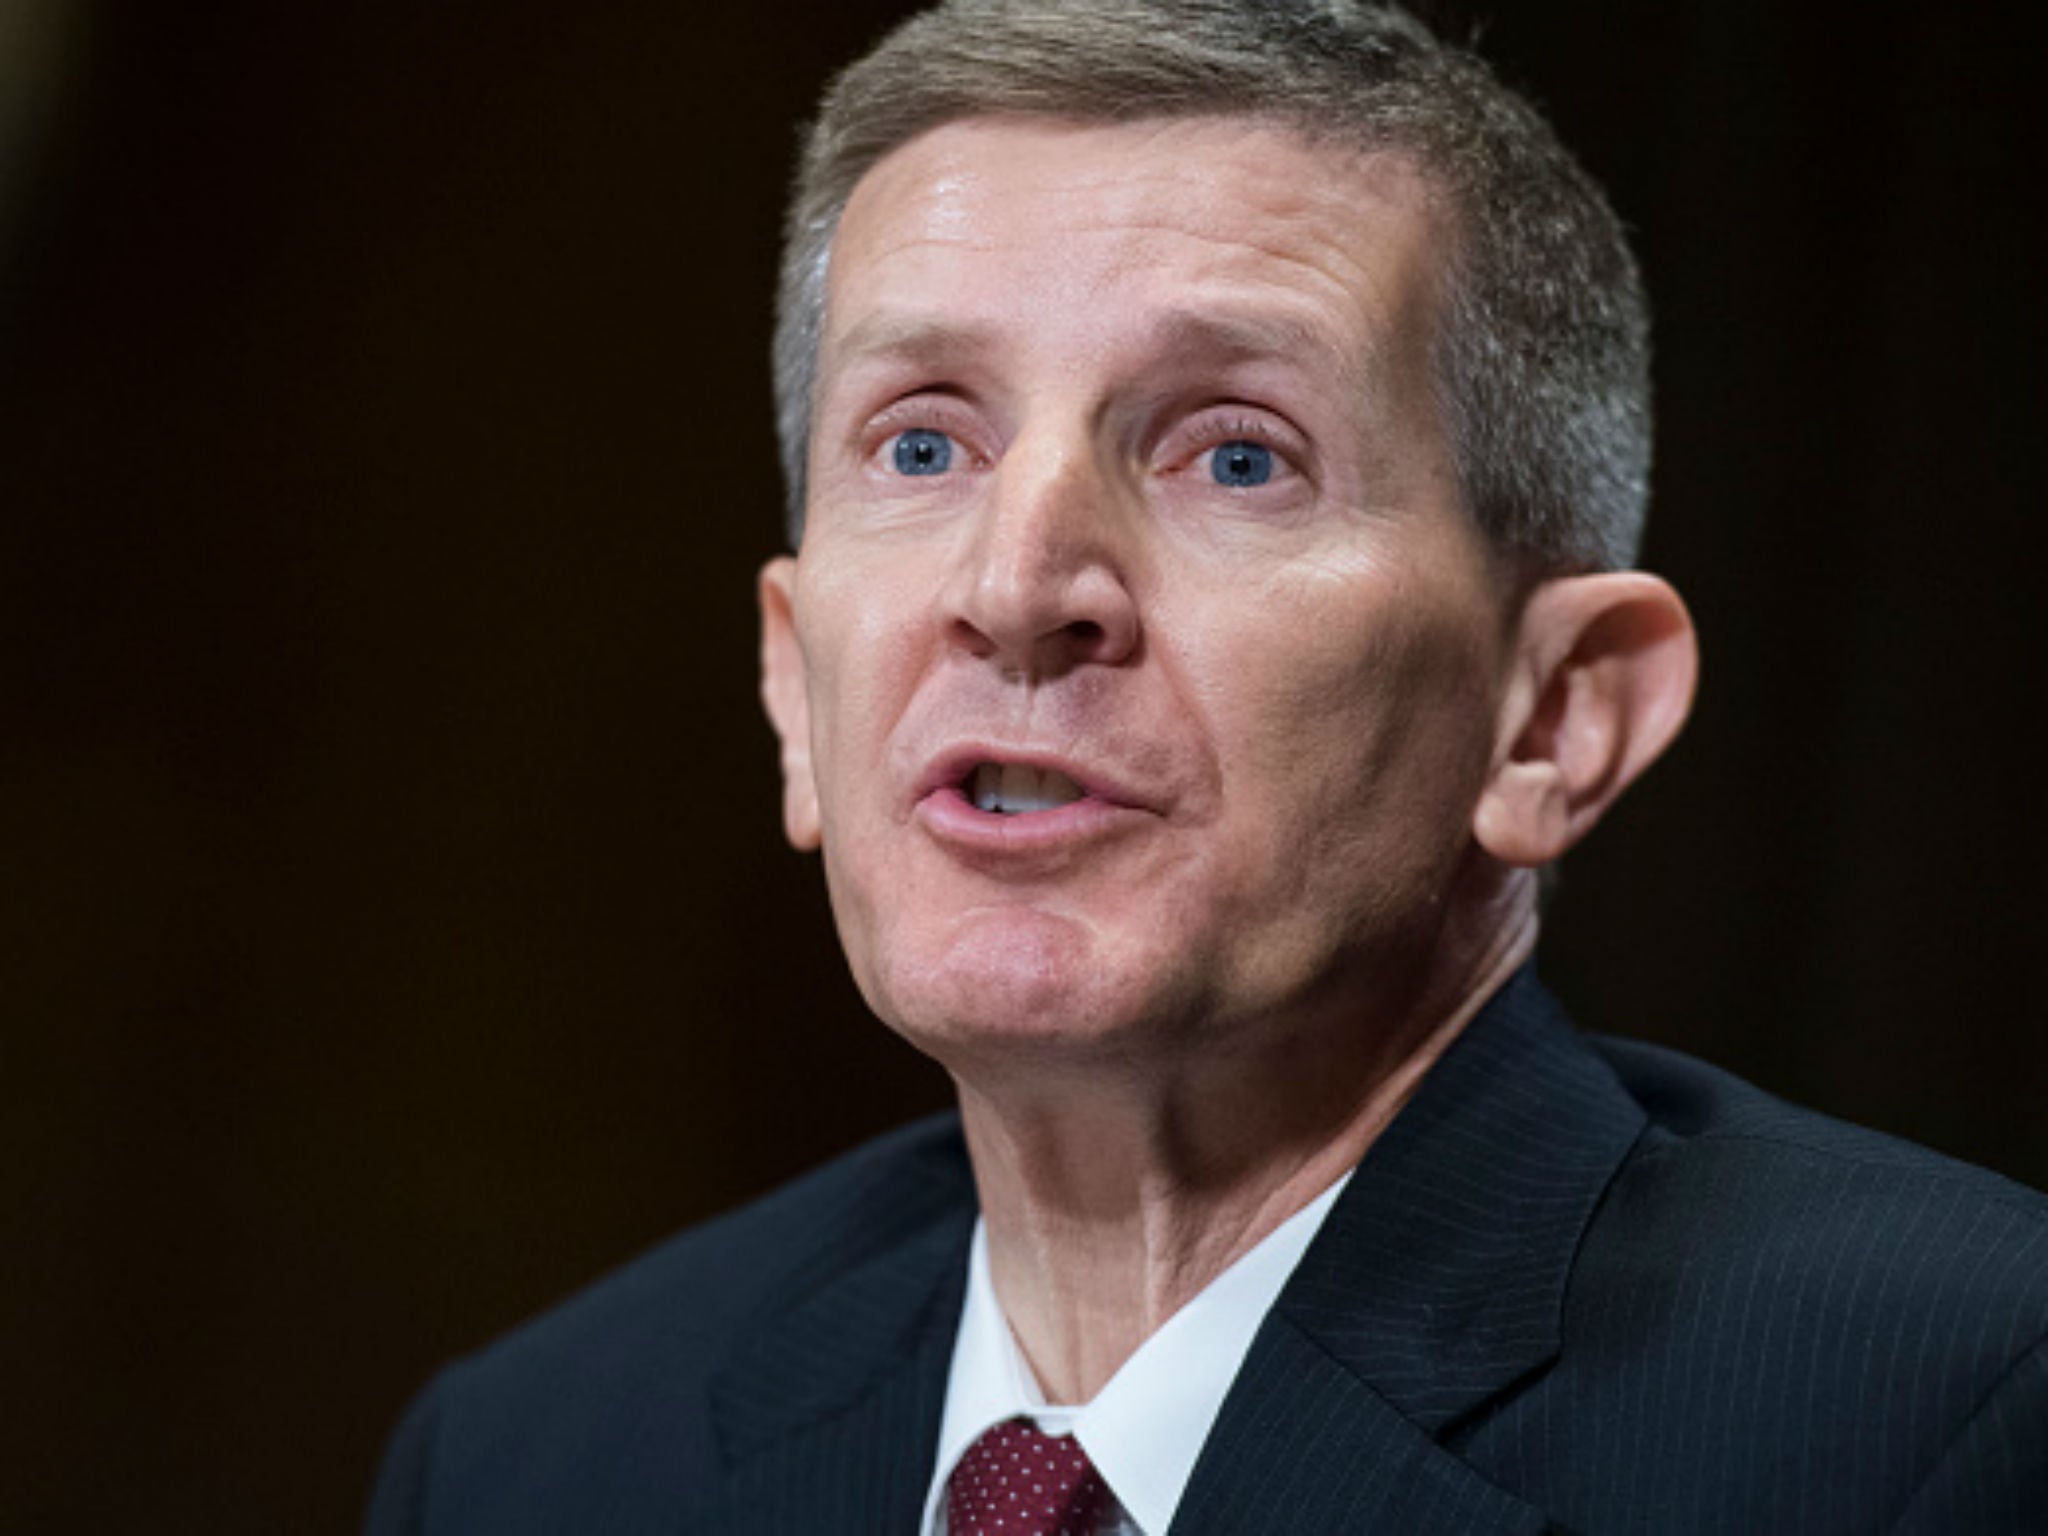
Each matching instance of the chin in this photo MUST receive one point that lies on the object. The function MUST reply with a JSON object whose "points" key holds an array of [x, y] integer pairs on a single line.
{"points": [[1012, 982]]}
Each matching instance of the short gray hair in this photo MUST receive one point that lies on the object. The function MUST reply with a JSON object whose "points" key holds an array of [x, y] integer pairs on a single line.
{"points": [[1543, 357]]}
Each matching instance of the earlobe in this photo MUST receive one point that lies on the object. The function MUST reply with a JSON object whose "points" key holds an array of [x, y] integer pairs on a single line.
{"points": [[1603, 677], [785, 696]]}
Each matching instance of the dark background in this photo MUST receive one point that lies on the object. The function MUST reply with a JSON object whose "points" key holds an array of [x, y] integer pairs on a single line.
{"points": [[394, 928]]}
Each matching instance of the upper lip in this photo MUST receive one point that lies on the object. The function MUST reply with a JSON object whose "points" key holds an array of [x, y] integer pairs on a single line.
{"points": [[949, 769]]}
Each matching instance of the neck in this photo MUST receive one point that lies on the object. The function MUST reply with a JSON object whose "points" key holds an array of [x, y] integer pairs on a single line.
{"points": [[1113, 1199]]}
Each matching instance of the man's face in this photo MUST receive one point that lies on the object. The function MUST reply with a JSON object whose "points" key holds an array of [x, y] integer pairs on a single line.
{"points": [[1139, 667]]}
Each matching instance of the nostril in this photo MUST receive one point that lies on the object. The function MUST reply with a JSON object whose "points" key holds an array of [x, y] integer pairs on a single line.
{"points": [[1085, 631], [971, 639]]}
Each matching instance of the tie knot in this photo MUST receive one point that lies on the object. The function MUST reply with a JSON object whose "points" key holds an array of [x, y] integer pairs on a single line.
{"points": [[1018, 1481]]}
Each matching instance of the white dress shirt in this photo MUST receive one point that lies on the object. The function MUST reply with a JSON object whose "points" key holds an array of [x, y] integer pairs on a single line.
{"points": [[1145, 1428]]}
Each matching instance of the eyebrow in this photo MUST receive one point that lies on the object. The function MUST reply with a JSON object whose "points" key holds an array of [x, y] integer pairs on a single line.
{"points": [[911, 338], [1182, 336], [1241, 337]]}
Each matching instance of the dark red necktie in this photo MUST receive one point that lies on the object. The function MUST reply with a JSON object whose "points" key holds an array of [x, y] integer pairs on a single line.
{"points": [[1016, 1481]]}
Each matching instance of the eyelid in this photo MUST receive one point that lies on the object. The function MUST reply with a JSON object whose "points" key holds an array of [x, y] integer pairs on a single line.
{"points": [[927, 411], [1222, 424]]}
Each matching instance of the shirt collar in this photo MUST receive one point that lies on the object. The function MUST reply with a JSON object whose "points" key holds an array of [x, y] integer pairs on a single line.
{"points": [[1145, 1428]]}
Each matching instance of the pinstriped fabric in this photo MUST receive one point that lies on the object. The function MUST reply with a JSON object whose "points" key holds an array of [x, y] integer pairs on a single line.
{"points": [[1657, 1301], [1776, 1323], [1793, 1364], [1990, 1478], [829, 1411], [855, 1470], [837, 1345], [1302, 1445]]}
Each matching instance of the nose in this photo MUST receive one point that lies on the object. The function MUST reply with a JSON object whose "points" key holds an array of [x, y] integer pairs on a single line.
{"points": [[1042, 586]]}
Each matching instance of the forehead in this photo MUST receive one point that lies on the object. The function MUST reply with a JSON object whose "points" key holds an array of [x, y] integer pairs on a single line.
{"points": [[1075, 232]]}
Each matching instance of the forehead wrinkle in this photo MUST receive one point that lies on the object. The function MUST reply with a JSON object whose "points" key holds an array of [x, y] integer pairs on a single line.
{"points": [[1243, 314], [1327, 264], [1183, 338], [1134, 197], [1302, 248], [927, 339], [1223, 337]]}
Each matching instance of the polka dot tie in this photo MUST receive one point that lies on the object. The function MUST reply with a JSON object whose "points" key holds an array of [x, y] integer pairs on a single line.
{"points": [[1017, 1481]]}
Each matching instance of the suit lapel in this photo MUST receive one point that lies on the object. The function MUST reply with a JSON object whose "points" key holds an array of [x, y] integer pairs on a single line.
{"points": [[829, 1415], [1436, 1284], [1303, 1445]]}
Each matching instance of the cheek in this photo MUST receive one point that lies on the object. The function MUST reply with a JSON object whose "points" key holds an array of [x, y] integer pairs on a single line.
{"points": [[863, 659], [858, 665], [1359, 745]]}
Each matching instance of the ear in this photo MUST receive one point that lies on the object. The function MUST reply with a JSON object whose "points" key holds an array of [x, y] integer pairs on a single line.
{"points": [[785, 696], [1603, 677]]}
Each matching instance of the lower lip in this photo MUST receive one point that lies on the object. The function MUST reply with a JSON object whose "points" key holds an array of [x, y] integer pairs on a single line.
{"points": [[955, 820]]}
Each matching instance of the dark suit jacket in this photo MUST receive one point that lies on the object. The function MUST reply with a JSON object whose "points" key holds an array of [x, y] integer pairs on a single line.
{"points": [[1575, 1286]]}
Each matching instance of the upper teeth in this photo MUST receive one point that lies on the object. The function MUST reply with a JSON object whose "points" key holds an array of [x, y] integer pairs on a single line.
{"points": [[1010, 789]]}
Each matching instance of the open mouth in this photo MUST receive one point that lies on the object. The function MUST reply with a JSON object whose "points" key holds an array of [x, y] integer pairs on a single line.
{"points": [[1017, 789]]}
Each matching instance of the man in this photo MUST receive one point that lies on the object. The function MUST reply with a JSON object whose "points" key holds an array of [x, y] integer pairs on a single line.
{"points": [[1218, 434]]}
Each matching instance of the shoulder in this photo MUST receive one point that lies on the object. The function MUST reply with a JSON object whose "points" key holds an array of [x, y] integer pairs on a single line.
{"points": [[698, 1287], [624, 1371], [1750, 1165], [1805, 1294]]}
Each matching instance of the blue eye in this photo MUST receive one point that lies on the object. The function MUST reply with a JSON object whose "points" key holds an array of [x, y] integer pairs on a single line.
{"points": [[1240, 465], [921, 451]]}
